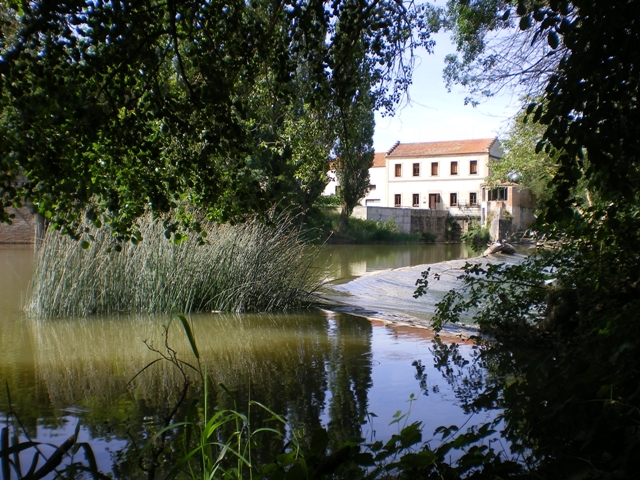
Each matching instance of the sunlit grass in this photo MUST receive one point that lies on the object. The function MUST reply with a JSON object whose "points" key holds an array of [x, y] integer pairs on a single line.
{"points": [[244, 267]]}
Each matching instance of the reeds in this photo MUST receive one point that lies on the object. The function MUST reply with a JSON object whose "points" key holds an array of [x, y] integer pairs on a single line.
{"points": [[245, 267]]}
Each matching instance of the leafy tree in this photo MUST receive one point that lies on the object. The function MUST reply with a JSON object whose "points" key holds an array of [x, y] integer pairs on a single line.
{"points": [[354, 150], [116, 108], [521, 163], [592, 41], [563, 360], [493, 53]]}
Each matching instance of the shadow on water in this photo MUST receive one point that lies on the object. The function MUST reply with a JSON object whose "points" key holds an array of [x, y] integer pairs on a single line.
{"points": [[319, 369], [313, 367]]}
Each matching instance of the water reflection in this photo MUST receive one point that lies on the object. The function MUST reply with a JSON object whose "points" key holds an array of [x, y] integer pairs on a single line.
{"points": [[317, 368], [346, 262]]}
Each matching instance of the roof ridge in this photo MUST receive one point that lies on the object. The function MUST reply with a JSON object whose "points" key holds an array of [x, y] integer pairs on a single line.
{"points": [[394, 146], [443, 147]]}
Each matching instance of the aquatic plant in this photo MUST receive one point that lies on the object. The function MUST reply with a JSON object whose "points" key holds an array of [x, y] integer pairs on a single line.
{"points": [[224, 444], [44, 459], [244, 267]]}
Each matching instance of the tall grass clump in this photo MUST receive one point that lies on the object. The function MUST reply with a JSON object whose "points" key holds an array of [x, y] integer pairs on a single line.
{"points": [[245, 267]]}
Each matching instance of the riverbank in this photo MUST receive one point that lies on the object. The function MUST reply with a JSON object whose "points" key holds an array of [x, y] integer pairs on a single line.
{"points": [[324, 228]]}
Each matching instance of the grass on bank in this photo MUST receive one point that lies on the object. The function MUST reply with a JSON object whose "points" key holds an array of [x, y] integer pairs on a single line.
{"points": [[245, 267], [360, 231]]}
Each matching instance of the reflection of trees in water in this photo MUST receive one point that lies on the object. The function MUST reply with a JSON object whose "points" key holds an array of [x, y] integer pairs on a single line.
{"points": [[349, 377], [346, 261], [286, 362]]}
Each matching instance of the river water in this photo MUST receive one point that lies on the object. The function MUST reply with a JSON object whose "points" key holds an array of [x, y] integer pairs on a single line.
{"points": [[318, 367]]}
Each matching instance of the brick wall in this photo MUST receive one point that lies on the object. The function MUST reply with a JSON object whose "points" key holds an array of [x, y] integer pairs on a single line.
{"points": [[22, 229]]}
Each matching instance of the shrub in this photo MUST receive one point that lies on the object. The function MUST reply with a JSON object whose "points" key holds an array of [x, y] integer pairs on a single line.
{"points": [[244, 267], [476, 236], [327, 201], [365, 231]]}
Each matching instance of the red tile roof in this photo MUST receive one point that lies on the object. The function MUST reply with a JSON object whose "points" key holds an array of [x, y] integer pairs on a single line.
{"points": [[433, 149], [379, 160]]}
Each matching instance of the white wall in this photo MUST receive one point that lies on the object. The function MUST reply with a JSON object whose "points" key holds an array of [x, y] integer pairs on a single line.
{"points": [[377, 197], [330, 188], [444, 183]]}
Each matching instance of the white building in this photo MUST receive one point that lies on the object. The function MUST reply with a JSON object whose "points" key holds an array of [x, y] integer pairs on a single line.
{"points": [[439, 174], [444, 176], [377, 179]]}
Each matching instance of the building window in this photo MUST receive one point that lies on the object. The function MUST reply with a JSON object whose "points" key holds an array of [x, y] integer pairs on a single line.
{"points": [[397, 200], [500, 194], [372, 187], [473, 167], [453, 199], [416, 200], [473, 199], [398, 169], [416, 169], [454, 168], [434, 168]]}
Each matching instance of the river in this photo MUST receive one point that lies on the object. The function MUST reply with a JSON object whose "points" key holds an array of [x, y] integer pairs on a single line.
{"points": [[318, 367]]}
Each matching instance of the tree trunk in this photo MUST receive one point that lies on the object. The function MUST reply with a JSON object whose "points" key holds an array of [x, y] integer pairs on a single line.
{"points": [[38, 232], [344, 219]]}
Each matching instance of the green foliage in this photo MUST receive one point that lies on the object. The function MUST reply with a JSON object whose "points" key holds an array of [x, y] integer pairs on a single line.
{"points": [[476, 236], [243, 267], [562, 357], [327, 201], [521, 163], [354, 151], [593, 139], [562, 363], [365, 231], [452, 228], [428, 237], [494, 53], [118, 109]]}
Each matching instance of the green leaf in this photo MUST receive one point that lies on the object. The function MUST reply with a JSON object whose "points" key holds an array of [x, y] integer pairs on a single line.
{"points": [[187, 330]]}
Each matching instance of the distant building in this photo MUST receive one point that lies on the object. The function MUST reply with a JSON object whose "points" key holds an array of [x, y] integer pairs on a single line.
{"points": [[377, 180], [447, 175], [440, 175]]}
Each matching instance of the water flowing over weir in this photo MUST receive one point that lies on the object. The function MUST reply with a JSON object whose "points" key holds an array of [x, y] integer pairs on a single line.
{"points": [[387, 295], [319, 368]]}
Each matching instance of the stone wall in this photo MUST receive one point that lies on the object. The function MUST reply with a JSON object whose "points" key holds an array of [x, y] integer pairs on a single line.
{"points": [[409, 220], [520, 207], [22, 229]]}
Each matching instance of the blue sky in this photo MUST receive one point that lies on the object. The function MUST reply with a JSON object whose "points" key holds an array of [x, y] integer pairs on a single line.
{"points": [[434, 114]]}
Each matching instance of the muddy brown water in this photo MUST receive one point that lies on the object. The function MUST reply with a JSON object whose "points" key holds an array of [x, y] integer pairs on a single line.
{"points": [[316, 367]]}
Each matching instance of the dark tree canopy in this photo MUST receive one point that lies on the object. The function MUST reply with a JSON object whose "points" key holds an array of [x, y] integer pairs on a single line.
{"points": [[115, 108], [591, 89], [565, 322]]}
